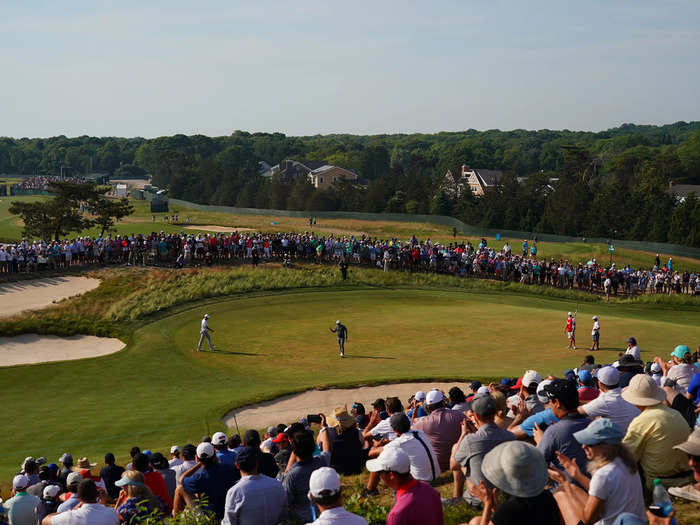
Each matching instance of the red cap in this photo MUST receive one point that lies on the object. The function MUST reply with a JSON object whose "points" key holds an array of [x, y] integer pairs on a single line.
{"points": [[517, 384], [280, 437]]}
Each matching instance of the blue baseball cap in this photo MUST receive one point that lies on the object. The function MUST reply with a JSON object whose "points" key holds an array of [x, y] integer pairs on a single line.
{"points": [[600, 431], [584, 376]]}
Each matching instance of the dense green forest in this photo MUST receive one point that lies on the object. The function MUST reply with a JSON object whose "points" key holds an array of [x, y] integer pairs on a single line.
{"points": [[614, 179]]}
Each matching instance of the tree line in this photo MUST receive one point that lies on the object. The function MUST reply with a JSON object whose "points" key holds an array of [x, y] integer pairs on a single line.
{"points": [[572, 183]]}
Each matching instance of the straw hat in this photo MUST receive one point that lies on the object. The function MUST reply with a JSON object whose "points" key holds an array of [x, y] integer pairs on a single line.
{"points": [[643, 391], [516, 468], [85, 463], [341, 417]]}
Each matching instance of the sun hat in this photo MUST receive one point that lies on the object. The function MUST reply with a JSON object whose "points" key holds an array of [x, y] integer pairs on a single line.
{"points": [[85, 463], [420, 396], [600, 431], [541, 394], [516, 468], [73, 477], [391, 459], [692, 444], [680, 351], [205, 450], [174, 449], [51, 491], [341, 417], [608, 375], [433, 397], [124, 481], [324, 479], [643, 391], [219, 438], [20, 482]]}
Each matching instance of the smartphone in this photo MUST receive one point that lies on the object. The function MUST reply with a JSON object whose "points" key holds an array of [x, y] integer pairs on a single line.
{"points": [[656, 510], [313, 418], [378, 437]]}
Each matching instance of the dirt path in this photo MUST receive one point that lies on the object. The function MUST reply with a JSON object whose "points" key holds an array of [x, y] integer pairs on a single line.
{"points": [[39, 293], [290, 408], [33, 348]]}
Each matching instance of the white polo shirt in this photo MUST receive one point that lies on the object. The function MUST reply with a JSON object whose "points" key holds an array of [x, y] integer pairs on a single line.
{"points": [[205, 325], [87, 514], [420, 458], [611, 405]]}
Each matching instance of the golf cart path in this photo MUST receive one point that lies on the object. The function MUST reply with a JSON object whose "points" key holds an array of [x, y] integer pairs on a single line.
{"points": [[287, 409], [32, 348], [38, 293]]}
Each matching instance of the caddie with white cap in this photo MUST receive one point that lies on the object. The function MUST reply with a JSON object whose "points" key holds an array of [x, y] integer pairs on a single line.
{"points": [[326, 493], [610, 403]]}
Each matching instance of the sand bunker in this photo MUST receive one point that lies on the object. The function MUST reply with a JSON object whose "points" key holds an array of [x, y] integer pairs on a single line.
{"points": [[290, 408], [219, 229], [39, 293], [32, 348]]}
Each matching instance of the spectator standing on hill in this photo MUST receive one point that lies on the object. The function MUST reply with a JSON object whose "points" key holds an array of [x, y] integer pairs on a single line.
{"points": [[111, 473], [256, 499], [204, 333], [326, 493], [21, 508], [342, 332], [416, 501], [90, 512]]}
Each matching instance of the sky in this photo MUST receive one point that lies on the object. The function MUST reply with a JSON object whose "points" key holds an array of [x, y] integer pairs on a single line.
{"points": [[151, 68]]}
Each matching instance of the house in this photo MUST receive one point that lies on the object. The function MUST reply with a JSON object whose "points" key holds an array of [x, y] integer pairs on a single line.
{"points": [[290, 170], [681, 191], [324, 177], [452, 186], [480, 180]]}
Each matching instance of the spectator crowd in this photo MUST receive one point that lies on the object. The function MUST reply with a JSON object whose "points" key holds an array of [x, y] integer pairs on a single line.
{"points": [[458, 259], [597, 444], [42, 183]]}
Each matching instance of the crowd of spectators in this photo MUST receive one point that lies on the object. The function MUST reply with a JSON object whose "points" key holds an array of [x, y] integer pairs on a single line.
{"points": [[458, 259], [589, 446], [42, 182]]}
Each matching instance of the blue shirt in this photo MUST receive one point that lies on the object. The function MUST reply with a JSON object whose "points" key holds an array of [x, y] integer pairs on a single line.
{"points": [[212, 482], [560, 437], [694, 387], [255, 499], [421, 412], [69, 504], [546, 416], [226, 457]]}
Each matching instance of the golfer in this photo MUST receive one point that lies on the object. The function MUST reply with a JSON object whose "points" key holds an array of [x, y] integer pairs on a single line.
{"points": [[571, 331], [204, 332], [595, 334], [342, 332]]}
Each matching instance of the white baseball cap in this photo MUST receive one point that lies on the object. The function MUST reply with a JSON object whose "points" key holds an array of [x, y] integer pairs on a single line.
{"points": [[595, 317], [540, 391], [205, 450], [608, 376], [483, 389], [338, 321], [20, 482], [570, 314], [324, 478], [206, 316], [531, 376], [420, 396], [174, 449], [51, 491], [219, 438], [434, 396], [393, 459]]}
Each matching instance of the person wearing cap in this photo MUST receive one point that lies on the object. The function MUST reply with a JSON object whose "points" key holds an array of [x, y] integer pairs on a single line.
{"points": [[559, 437], [475, 441], [543, 419], [657, 373], [342, 332], [614, 487], [135, 501], [357, 410], [519, 471], [266, 461], [632, 348], [442, 426], [256, 499], [153, 481], [284, 451], [161, 466], [628, 367], [571, 331], [207, 478], [652, 435], [380, 429], [610, 403], [326, 493], [595, 331], [417, 405], [72, 483], [111, 473], [189, 455], [89, 512], [49, 501], [267, 445], [691, 446], [223, 454], [175, 458], [21, 508], [345, 441], [416, 501], [66, 460], [204, 333], [586, 391], [529, 403], [680, 369], [47, 476], [302, 463]]}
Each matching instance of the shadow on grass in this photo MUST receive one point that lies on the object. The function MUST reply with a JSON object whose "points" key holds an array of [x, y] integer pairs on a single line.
{"points": [[217, 351], [367, 357]]}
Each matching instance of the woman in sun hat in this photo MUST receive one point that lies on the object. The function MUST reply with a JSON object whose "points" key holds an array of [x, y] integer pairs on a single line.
{"points": [[680, 368], [345, 441], [615, 486], [135, 501], [519, 471]]}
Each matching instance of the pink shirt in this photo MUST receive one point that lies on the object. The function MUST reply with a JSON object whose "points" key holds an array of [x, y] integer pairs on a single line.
{"points": [[443, 428], [417, 503]]}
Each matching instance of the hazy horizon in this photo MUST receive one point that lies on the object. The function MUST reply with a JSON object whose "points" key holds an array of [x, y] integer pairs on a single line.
{"points": [[130, 70]]}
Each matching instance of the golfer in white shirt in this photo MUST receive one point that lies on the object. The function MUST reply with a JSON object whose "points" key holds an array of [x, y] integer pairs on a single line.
{"points": [[204, 332]]}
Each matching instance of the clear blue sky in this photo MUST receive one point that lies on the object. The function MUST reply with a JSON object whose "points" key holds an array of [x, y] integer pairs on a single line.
{"points": [[148, 68]]}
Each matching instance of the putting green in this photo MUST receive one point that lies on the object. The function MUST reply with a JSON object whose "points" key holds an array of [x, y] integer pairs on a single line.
{"points": [[158, 391]]}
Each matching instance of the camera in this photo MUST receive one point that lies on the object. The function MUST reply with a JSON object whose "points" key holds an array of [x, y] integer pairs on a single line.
{"points": [[313, 418]]}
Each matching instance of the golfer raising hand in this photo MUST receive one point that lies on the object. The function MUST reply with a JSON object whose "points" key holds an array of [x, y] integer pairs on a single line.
{"points": [[204, 332], [342, 332]]}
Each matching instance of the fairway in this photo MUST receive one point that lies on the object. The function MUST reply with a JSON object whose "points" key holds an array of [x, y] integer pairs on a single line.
{"points": [[158, 391]]}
